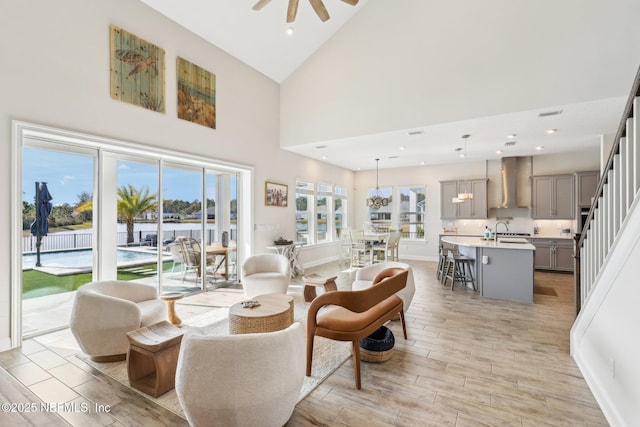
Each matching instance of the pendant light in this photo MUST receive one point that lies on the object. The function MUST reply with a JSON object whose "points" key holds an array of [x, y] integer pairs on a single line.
{"points": [[376, 202], [466, 194]]}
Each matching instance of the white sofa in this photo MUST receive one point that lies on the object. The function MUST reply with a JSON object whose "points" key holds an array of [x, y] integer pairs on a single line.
{"points": [[104, 311], [365, 275], [265, 274], [241, 380]]}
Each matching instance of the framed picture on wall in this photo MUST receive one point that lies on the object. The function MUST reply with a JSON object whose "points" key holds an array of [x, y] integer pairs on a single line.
{"points": [[275, 194], [137, 70], [196, 94]]}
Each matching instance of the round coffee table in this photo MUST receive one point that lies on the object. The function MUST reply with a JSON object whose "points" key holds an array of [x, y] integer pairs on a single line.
{"points": [[274, 313]]}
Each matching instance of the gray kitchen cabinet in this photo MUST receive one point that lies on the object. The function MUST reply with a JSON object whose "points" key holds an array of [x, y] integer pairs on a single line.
{"points": [[586, 186], [475, 208], [448, 209], [553, 197], [553, 254]]}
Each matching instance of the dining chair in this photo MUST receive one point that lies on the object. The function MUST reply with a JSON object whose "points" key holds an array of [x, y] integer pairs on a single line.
{"points": [[360, 249], [345, 246], [388, 249]]}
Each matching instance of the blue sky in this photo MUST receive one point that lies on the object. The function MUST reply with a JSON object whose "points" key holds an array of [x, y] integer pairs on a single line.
{"points": [[68, 175]]}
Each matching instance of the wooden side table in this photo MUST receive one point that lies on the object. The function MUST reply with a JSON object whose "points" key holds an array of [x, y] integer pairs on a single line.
{"points": [[171, 308], [153, 357], [313, 280], [274, 313]]}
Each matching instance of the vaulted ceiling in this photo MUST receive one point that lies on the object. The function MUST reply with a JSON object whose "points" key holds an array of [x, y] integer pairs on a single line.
{"points": [[403, 80]]}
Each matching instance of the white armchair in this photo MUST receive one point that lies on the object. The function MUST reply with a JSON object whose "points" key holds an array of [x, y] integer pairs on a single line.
{"points": [[265, 274], [241, 380], [104, 311], [365, 275]]}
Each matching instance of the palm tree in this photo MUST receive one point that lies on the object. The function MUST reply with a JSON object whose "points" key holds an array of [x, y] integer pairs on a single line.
{"points": [[132, 203]]}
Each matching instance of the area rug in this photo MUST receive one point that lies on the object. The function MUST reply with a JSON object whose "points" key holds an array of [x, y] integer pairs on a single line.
{"points": [[328, 355]]}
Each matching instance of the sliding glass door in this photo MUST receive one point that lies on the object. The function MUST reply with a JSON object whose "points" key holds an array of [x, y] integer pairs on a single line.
{"points": [[57, 232], [113, 210]]}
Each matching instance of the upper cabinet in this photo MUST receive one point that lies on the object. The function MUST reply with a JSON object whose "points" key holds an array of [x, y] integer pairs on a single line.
{"points": [[475, 208], [553, 197], [586, 186]]}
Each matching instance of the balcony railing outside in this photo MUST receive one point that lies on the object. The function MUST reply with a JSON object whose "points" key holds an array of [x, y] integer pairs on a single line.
{"points": [[64, 241]]}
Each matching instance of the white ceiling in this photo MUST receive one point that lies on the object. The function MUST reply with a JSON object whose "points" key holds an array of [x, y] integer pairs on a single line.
{"points": [[259, 39]]}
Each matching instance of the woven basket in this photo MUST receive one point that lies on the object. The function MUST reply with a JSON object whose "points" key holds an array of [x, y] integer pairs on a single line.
{"points": [[375, 356], [377, 347]]}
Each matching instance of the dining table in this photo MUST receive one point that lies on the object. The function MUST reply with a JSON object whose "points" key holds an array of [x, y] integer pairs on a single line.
{"points": [[216, 249]]}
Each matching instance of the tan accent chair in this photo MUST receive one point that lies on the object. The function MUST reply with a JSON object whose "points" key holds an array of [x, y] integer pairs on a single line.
{"points": [[240, 380], [356, 314], [364, 278], [104, 311], [265, 274]]}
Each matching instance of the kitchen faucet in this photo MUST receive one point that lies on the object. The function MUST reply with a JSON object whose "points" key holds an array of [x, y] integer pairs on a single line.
{"points": [[496, 228]]}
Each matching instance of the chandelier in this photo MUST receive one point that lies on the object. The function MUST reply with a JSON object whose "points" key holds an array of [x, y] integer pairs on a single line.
{"points": [[376, 202], [466, 194]]}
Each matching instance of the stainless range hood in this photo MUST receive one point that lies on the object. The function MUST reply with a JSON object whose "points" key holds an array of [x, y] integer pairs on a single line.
{"points": [[515, 173]]}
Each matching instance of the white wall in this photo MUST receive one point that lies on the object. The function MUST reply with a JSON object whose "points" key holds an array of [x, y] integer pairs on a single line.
{"points": [[604, 338], [55, 72], [401, 75]]}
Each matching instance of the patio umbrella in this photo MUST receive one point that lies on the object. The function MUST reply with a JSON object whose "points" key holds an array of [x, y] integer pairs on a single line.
{"points": [[40, 227]]}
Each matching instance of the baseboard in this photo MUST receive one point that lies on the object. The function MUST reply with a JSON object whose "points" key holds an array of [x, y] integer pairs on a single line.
{"points": [[607, 405]]}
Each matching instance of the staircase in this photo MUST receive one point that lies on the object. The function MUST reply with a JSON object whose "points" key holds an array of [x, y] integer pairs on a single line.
{"points": [[605, 338]]}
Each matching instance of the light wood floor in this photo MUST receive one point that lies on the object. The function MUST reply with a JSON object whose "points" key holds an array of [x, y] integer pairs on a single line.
{"points": [[469, 361]]}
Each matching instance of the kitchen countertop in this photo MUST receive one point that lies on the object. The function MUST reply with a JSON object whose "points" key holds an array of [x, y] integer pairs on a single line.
{"points": [[478, 242]]}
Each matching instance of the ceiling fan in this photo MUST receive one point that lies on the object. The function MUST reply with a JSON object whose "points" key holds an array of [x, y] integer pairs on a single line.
{"points": [[317, 5]]}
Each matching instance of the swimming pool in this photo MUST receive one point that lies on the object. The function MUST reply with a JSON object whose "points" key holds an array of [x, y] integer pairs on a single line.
{"points": [[83, 258]]}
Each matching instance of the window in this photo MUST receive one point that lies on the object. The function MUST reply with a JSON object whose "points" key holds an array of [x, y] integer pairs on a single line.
{"points": [[320, 212], [304, 212], [412, 211], [323, 213], [339, 210], [381, 215]]}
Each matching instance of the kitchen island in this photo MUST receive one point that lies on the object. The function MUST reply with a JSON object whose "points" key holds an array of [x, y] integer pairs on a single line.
{"points": [[503, 269]]}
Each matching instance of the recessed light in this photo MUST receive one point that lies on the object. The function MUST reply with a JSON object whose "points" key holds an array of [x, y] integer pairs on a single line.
{"points": [[462, 155], [289, 31], [539, 147], [324, 157], [551, 130], [498, 151], [422, 163], [550, 113], [511, 136], [403, 147]]}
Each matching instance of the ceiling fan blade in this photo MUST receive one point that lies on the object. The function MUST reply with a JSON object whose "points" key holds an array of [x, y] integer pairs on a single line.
{"points": [[292, 10], [260, 4], [321, 11], [351, 2]]}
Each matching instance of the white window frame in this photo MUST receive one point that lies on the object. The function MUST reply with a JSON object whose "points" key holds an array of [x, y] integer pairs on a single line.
{"points": [[400, 211]]}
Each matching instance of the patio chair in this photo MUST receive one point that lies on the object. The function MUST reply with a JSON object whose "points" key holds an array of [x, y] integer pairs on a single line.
{"points": [[191, 254]]}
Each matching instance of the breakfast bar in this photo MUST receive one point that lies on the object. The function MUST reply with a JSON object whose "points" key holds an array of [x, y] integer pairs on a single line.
{"points": [[503, 268]]}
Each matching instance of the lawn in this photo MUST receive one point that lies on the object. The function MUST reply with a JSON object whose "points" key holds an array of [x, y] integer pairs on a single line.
{"points": [[37, 284]]}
